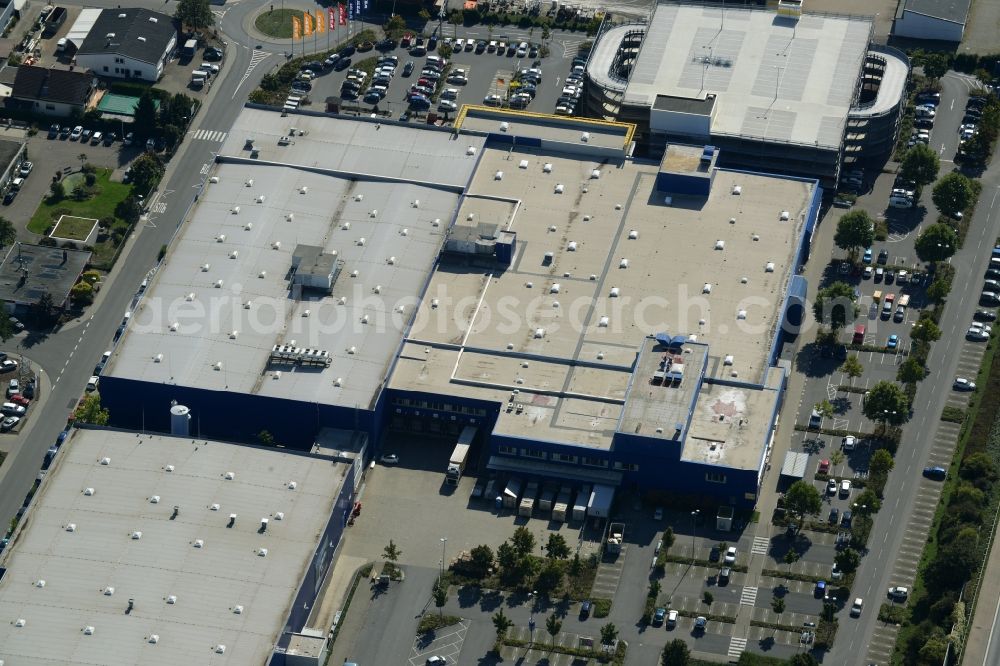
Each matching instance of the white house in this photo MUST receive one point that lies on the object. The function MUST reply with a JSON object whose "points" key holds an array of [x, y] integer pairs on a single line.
{"points": [[128, 44], [942, 20]]}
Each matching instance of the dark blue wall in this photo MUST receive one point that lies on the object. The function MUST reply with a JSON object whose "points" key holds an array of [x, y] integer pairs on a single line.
{"points": [[234, 417]]}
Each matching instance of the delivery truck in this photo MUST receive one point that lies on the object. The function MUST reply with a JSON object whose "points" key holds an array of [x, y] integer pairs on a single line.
{"points": [[459, 456]]}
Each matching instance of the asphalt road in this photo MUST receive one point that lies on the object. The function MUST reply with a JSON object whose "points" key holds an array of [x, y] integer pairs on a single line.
{"points": [[874, 575], [68, 356]]}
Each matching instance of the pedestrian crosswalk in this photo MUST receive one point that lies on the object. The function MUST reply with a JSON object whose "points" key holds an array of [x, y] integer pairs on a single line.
{"points": [[209, 135], [760, 545], [749, 596], [736, 647]]}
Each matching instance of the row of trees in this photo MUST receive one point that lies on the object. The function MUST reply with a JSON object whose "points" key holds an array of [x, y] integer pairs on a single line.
{"points": [[553, 625]]}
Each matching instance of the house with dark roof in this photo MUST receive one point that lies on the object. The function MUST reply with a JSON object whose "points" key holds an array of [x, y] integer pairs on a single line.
{"points": [[129, 43], [941, 20], [50, 91]]}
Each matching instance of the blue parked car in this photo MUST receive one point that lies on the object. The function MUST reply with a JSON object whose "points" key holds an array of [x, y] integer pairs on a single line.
{"points": [[935, 473], [868, 256], [892, 342], [820, 590]]}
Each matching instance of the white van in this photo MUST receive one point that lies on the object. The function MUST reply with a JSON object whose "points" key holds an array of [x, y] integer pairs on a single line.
{"points": [[61, 45]]}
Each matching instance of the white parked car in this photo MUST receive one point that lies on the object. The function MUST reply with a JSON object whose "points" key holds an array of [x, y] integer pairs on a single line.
{"points": [[845, 488], [963, 384], [671, 619], [831, 487], [850, 443], [730, 555], [856, 607], [897, 593]]}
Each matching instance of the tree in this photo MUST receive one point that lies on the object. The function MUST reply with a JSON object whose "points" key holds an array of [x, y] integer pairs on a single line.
{"points": [[953, 194], [147, 170], [855, 230], [43, 310], [676, 653], [57, 191], [934, 650], [444, 50], [6, 326], [557, 548], [848, 560], [549, 578], [778, 605], [834, 305], [791, 557], [803, 659], [391, 552], [144, 117], [825, 408], [502, 624], [90, 410], [129, 210], [936, 243], [8, 232], [395, 27], [979, 467], [886, 403], [195, 14], [81, 294], [802, 498], [881, 462], [553, 625], [852, 367], [935, 65], [925, 330], [911, 371], [481, 559], [867, 502], [920, 164], [523, 541], [440, 597], [609, 634], [837, 457]]}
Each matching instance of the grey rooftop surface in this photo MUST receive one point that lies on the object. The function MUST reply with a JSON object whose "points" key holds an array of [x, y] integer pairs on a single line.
{"points": [[225, 283], [538, 328], [777, 79], [956, 11], [82, 547], [601, 133], [8, 149], [43, 270]]}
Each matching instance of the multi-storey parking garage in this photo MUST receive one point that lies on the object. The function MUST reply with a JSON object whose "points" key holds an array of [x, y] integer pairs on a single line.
{"points": [[783, 91]]}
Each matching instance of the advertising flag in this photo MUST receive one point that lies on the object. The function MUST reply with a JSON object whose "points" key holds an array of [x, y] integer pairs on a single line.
{"points": [[296, 28], [364, 5], [320, 23], [307, 23], [343, 14], [333, 18], [350, 10]]}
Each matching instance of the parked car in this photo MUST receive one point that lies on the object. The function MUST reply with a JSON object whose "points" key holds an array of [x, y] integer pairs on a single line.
{"points": [[53, 131], [659, 616], [585, 609], [700, 623], [831, 487], [963, 384], [213, 53], [850, 442], [845, 488], [898, 593], [9, 423], [76, 133], [725, 573], [12, 409], [834, 515], [13, 387], [671, 619], [8, 366], [856, 607], [730, 557], [936, 473], [985, 315]]}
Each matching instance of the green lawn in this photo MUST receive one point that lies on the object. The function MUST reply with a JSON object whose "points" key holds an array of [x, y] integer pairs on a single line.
{"points": [[109, 195], [277, 23], [74, 228]]}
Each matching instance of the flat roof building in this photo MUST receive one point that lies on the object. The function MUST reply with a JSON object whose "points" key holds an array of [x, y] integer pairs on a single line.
{"points": [[774, 88], [27, 272], [293, 278], [141, 549]]}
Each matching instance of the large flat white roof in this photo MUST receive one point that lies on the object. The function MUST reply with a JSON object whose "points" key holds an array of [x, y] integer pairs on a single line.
{"points": [[222, 299], [80, 567], [538, 327], [776, 78]]}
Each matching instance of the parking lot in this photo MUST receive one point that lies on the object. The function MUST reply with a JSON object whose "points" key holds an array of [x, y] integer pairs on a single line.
{"points": [[486, 73]]}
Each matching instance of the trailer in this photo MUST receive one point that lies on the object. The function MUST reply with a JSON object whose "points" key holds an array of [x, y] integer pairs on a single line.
{"points": [[511, 493], [459, 456], [54, 21], [562, 504], [616, 532], [548, 496], [528, 500], [580, 505]]}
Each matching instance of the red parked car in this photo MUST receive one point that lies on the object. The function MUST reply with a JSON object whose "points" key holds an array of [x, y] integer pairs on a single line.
{"points": [[19, 399]]}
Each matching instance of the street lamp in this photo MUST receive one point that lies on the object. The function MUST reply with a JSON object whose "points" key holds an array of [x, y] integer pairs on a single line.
{"points": [[444, 542], [694, 530]]}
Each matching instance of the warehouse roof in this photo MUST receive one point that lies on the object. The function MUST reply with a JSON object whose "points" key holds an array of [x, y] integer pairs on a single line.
{"points": [[223, 298], [776, 78], [195, 581], [602, 262]]}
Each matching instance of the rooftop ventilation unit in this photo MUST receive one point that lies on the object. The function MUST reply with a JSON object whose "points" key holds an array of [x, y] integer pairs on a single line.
{"points": [[554, 289], [720, 245], [220, 649], [235, 210], [623, 263], [260, 198], [140, 37], [728, 360], [292, 485], [404, 232], [471, 150], [189, 297], [585, 137], [706, 288], [559, 188], [172, 599], [737, 190], [88, 630], [154, 639], [741, 314], [595, 174], [109, 591], [374, 213], [105, 461], [539, 333], [416, 203], [218, 284], [769, 267], [238, 610], [391, 261], [229, 476], [547, 167], [633, 234], [234, 254], [498, 175], [205, 267], [155, 499], [136, 535], [249, 182], [504, 126], [214, 507], [523, 164], [20, 622], [276, 245], [614, 292], [784, 216], [279, 516], [169, 468], [304, 190], [603, 322], [199, 543], [40, 582], [262, 275], [262, 552], [71, 527], [88, 491]]}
